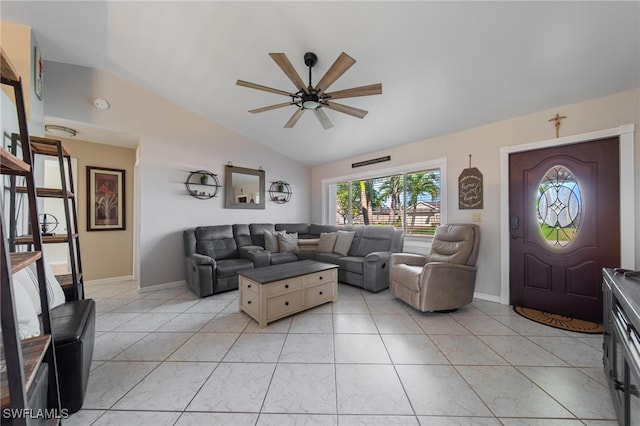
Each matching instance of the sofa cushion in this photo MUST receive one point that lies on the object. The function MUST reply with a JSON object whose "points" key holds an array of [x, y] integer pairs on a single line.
{"points": [[452, 244], [351, 264], [327, 241], [288, 242], [315, 230], [229, 267], [278, 258], [344, 240], [302, 229], [242, 235], [374, 238], [328, 257], [271, 241], [257, 232], [216, 241]]}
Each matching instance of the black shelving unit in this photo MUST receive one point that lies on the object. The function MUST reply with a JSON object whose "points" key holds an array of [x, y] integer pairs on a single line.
{"points": [[21, 360], [280, 192], [202, 184]]}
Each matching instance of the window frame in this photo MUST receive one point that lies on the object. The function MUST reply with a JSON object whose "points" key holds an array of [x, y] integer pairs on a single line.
{"points": [[440, 163]]}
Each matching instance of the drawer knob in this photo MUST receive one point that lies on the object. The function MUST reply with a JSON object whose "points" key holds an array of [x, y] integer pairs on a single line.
{"points": [[286, 286], [320, 277], [321, 293], [248, 302], [286, 303], [249, 286]]}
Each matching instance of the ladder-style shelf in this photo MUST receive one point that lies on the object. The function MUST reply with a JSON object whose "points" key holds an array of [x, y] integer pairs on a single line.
{"points": [[72, 283], [20, 360]]}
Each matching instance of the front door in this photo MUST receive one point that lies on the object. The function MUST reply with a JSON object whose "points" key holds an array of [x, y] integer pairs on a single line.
{"points": [[564, 220]]}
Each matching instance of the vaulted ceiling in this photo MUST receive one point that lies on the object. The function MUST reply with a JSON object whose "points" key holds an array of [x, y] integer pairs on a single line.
{"points": [[444, 66]]}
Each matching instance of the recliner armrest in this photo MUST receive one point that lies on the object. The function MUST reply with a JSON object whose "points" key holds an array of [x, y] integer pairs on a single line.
{"points": [[408, 259]]}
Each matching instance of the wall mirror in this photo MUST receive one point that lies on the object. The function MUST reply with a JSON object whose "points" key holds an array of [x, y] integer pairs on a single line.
{"points": [[243, 188]]}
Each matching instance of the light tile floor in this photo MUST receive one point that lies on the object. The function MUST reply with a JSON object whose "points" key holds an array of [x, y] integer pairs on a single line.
{"points": [[169, 358]]}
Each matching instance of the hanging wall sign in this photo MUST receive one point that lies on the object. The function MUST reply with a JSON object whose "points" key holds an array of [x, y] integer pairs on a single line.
{"points": [[470, 191]]}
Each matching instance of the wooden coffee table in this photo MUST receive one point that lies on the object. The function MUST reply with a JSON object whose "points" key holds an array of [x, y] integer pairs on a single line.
{"points": [[273, 292]]}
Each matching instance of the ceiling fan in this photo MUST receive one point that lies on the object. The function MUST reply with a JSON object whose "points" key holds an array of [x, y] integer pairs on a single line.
{"points": [[315, 98]]}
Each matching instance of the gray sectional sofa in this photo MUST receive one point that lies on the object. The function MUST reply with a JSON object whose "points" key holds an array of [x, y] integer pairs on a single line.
{"points": [[215, 254]]}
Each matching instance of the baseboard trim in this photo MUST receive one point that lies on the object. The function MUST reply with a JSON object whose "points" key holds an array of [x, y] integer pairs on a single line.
{"points": [[488, 297], [162, 286], [110, 280]]}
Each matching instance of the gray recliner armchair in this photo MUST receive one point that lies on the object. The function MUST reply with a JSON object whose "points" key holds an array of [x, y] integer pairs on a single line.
{"points": [[444, 280]]}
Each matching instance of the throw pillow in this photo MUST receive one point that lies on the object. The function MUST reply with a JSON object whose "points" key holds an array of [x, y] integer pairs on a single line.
{"points": [[28, 323], [343, 242], [271, 241], [326, 242], [288, 242], [29, 279]]}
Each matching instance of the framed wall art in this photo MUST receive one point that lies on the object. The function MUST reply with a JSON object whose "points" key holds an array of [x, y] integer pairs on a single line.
{"points": [[105, 199]]}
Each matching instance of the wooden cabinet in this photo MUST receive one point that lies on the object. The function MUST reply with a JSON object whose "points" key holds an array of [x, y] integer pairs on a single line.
{"points": [[273, 292]]}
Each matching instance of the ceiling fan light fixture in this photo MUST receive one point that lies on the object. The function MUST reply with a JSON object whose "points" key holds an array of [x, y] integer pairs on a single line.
{"points": [[311, 101]]}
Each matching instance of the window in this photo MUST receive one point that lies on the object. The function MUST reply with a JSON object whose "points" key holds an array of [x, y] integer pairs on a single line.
{"points": [[406, 200]]}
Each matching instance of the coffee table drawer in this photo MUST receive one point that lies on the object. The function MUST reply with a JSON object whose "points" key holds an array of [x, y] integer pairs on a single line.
{"points": [[284, 286], [319, 294], [250, 303], [320, 277], [281, 305], [246, 285]]}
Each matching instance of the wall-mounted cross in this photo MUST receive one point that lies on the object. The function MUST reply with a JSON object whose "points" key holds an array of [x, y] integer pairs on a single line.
{"points": [[557, 119]]}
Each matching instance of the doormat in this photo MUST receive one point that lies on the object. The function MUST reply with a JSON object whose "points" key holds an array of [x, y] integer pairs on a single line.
{"points": [[560, 321]]}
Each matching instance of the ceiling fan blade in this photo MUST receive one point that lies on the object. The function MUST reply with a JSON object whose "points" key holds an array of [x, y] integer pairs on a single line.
{"points": [[284, 64], [356, 112], [323, 119], [371, 89], [339, 67], [260, 87], [294, 118], [270, 107]]}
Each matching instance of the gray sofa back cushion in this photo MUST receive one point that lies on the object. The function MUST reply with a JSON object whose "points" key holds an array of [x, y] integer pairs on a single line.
{"points": [[257, 232], [315, 230], [374, 238], [301, 228], [242, 235], [216, 241]]}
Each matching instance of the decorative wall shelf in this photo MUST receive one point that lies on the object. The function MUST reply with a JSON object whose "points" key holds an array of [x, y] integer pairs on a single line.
{"points": [[280, 192], [203, 184]]}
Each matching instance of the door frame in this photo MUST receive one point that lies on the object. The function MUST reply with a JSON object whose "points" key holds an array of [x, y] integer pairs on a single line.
{"points": [[626, 135]]}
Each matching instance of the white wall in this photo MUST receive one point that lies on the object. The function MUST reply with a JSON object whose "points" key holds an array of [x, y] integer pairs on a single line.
{"points": [[173, 141], [484, 144]]}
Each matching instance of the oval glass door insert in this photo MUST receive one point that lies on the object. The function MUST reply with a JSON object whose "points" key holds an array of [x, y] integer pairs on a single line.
{"points": [[559, 205]]}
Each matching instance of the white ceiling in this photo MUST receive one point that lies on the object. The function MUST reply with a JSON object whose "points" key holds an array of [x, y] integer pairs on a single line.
{"points": [[444, 66]]}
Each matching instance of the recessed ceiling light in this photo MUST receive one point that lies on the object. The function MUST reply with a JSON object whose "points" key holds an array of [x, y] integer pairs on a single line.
{"points": [[101, 104], [60, 131]]}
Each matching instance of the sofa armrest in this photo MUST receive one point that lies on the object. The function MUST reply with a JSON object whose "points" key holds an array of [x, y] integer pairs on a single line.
{"points": [[201, 259], [259, 258], [376, 271], [200, 274], [245, 252], [447, 285]]}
